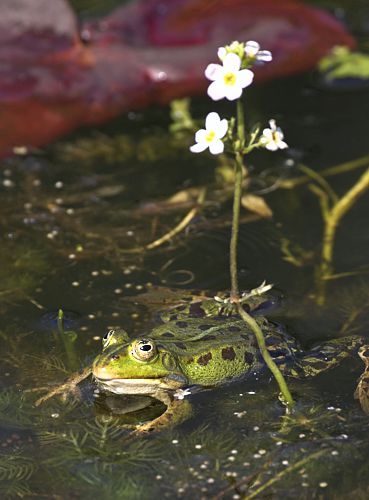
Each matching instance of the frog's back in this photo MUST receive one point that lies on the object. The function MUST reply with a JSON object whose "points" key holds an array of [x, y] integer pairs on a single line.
{"points": [[215, 350]]}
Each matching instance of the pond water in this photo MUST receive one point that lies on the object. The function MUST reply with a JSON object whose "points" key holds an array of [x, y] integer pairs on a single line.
{"points": [[69, 214]]}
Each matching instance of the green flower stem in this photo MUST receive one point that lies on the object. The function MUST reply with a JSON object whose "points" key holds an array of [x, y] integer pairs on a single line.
{"points": [[235, 226], [233, 261], [283, 387]]}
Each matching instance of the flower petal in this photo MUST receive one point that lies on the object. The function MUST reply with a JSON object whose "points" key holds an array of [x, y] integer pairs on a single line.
{"points": [[222, 128], [200, 135], [222, 52], [199, 147], [233, 92], [214, 71], [231, 63], [264, 55], [252, 48], [212, 121], [282, 145], [216, 147], [245, 78], [216, 91], [268, 134], [272, 146]]}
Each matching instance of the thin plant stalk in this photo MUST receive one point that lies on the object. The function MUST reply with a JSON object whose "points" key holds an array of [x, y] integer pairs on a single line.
{"points": [[68, 342], [332, 218], [249, 320]]}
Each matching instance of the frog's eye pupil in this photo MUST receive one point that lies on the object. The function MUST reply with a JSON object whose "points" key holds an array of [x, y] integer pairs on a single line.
{"points": [[146, 347]]}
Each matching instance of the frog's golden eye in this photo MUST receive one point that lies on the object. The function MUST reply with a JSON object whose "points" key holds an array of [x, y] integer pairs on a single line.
{"points": [[106, 338], [144, 350]]}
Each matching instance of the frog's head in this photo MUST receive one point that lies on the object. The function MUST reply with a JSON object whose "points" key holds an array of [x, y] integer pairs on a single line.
{"points": [[139, 366]]}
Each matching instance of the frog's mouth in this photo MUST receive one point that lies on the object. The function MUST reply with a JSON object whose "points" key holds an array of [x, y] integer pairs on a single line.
{"points": [[130, 385]]}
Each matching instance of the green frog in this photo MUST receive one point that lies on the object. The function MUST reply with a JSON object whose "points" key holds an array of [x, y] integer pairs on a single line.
{"points": [[196, 349]]}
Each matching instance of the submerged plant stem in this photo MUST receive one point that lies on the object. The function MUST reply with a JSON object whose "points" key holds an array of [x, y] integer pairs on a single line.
{"points": [[332, 218], [284, 472], [249, 320]]}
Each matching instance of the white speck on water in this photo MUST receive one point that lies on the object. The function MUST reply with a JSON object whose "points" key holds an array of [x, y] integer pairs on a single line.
{"points": [[251, 392], [211, 480], [55, 415], [256, 455], [175, 441], [72, 256], [158, 477], [58, 184], [256, 428], [118, 290], [262, 452], [323, 484], [231, 459], [234, 452], [285, 462], [334, 453], [8, 183], [302, 435], [239, 414], [69, 211], [75, 283], [198, 446]]}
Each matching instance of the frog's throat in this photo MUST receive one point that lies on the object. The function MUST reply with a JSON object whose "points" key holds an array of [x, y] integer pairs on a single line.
{"points": [[139, 385]]}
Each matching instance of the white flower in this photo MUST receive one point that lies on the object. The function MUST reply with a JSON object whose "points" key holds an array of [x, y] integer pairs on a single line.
{"points": [[181, 393], [252, 50], [228, 80], [272, 138], [210, 137]]}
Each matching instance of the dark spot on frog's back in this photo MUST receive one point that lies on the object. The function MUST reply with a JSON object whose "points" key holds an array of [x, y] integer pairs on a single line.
{"points": [[182, 324], [204, 359], [228, 353], [209, 337], [167, 335], [181, 345], [234, 329], [205, 327], [249, 358]]}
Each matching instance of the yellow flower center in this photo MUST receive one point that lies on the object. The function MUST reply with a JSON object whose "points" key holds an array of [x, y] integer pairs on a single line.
{"points": [[229, 78], [210, 136]]}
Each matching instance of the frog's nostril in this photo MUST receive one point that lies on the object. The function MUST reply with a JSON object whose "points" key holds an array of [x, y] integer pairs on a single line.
{"points": [[115, 357]]}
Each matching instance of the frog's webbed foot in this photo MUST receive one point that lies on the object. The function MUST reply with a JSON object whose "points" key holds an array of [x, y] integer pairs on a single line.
{"points": [[66, 389], [362, 389], [178, 410], [325, 356]]}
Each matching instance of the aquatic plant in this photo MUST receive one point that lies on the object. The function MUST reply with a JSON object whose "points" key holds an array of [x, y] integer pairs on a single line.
{"points": [[228, 81]]}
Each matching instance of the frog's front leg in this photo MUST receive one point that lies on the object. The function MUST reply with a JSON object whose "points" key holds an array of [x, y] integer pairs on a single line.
{"points": [[177, 411], [66, 388]]}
